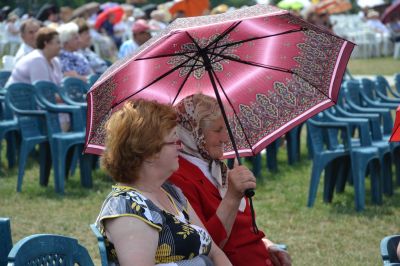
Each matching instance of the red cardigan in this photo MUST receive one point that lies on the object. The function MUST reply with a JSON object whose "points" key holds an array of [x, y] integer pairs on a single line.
{"points": [[243, 247]]}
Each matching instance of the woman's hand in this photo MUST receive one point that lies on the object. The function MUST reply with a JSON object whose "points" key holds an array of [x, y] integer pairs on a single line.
{"points": [[240, 178], [278, 256]]}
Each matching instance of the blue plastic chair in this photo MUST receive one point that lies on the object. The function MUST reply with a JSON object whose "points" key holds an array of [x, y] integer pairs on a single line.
{"points": [[4, 76], [324, 155], [9, 130], [353, 102], [371, 134], [369, 96], [397, 83], [74, 89], [92, 79], [362, 157], [5, 240], [62, 144], [101, 244], [20, 99], [49, 250], [388, 248], [383, 89]]}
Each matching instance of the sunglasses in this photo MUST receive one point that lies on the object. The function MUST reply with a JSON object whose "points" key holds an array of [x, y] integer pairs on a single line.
{"points": [[176, 142]]}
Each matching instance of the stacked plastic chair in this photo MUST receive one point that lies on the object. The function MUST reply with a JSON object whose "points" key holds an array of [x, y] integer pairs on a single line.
{"points": [[362, 157], [355, 102], [43, 126]]}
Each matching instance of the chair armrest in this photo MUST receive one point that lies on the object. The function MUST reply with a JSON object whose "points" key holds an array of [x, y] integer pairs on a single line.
{"points": [[361, 123], [69, 101], [387, 99], [30, 112]]}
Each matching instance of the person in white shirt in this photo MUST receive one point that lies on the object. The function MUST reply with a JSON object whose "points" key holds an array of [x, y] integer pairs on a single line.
{"points": [[141, 33], [28, 31]]}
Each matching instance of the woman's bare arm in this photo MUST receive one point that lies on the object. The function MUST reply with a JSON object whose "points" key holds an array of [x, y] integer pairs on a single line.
{"points": [[135, 241]]}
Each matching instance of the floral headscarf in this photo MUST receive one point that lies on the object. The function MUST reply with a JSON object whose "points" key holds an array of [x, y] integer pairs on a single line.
{"points": [[192, 137]]}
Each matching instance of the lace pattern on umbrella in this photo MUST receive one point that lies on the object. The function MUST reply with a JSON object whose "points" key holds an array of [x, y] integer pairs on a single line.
{"points": [[196, 64], [308, 86], [102, 111]]}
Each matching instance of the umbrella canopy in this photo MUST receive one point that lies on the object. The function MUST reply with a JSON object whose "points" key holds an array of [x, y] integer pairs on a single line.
{"points": [[270, 70], [86, 9], [395, 137], [391, 13], [332, 6], [116, 11], [190, 8]]}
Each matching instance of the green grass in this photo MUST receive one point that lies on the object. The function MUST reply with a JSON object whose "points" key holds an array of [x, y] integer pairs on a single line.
{"points": [[327, 234], [381, 65]]}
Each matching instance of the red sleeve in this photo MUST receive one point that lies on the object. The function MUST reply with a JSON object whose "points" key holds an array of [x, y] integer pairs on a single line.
{"points": [[198, 199]]}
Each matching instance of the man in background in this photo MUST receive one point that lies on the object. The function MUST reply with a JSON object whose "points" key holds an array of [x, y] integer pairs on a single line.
{"points": [[28, 31], [140, 34]]}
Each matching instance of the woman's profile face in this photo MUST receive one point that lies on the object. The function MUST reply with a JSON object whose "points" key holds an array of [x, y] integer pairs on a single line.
{"points": [[53, 46], [215, 136], [167, 158]]}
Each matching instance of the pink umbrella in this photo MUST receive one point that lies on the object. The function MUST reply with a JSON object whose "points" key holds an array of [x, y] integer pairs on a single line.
{"points": [[391, 13], [271, 71]]}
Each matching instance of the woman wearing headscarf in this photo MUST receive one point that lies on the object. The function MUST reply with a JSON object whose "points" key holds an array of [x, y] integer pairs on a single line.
{"points": [[216, 193]]}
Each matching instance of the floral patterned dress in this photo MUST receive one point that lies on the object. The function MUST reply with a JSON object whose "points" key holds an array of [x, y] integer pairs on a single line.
{"points": [[179, 240]]}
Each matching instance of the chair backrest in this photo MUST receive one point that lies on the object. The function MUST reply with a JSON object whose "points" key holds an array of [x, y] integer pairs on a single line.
{"points": [[46, 93], [101, 244], [388, 249], [49, 250], [397, 82], [4, 76], [92, 79], [382, 84], [21, 96], [75, 89], [368, 89], [351, 90], [5, 240]]}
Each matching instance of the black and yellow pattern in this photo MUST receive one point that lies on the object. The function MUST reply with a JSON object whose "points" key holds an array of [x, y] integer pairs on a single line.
{"points": [[178, 238]]}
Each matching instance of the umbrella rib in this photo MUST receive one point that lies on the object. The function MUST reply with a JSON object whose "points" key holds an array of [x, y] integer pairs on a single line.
{"points": [[230, 103], [183, 83], [165, 55], [154, 81], [220, 37], [224, 33], [261, 37], [253, 63], [268, 67]]}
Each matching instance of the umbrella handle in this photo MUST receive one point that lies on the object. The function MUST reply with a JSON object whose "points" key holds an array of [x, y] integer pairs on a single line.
{"points": [[249, 193]]}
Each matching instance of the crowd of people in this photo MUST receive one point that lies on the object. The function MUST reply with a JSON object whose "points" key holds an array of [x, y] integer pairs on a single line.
{"points": [[175, 202]]}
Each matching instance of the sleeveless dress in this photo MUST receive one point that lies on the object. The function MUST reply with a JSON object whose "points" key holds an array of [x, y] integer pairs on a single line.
{"points": [[178, 238]]}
